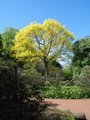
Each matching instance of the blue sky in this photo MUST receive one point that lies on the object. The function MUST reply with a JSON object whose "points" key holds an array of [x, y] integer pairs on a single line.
{"points": [[74, 14]]}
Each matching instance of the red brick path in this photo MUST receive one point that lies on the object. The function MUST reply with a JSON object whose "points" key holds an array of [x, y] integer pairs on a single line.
{"points": [[74, 105]]}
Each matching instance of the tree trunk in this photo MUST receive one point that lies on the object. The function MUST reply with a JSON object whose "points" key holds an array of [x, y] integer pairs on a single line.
{"points": [[46, 68], [16, 72]]}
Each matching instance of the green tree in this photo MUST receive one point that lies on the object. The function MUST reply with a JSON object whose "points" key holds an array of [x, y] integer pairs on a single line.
{"points": [[55, 76], [42, 42], [81, 50], [7, 40], [8, 37], [84, 77], [1, 45], [67, 70], [83, 80]]}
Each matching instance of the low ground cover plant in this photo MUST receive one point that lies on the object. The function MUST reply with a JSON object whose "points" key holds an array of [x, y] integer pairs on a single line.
{"points": [[67, 92]]}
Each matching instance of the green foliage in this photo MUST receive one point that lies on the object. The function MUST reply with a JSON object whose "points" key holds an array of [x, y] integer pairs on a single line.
{"points": [[0, 45], [83, 80], [68, 92], [16, 101], [76, 72], [55, 76], [71, 92], [55, 114], [67, 72], [56, 64], [50, 92], [81, 50], [84, 77], [8, 37], [34, 81]]}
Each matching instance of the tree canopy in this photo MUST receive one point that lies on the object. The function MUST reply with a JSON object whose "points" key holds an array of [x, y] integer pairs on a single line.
{"points": [[81, 50], [42, 42], [0, 44], [7, 40]]}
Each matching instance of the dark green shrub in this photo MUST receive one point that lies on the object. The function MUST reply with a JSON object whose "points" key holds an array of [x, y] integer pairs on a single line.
{"points": [[16, 101], [83, 80], [84, 77], [55, 114]]}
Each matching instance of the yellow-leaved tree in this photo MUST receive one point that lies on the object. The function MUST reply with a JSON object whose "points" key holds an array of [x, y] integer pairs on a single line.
{"points": [[43, 42]]}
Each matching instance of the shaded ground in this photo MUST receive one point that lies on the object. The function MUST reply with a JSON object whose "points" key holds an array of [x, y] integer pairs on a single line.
{"points": [[74, 105]]}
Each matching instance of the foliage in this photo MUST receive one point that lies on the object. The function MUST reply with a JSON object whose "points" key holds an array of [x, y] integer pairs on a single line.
{"points": [[55, 76], [0, 45], [84, 77], [42, 42], [67, 71], [81, 50], [83, 80], [76, 72], [71, 92], [55, 114], [16, 101], [34, 81], [7, 40], [67, 92], [56, 64], [40, 67]]}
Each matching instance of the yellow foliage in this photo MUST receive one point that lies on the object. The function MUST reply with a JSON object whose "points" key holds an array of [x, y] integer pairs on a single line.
{"points": [[41, 40]]}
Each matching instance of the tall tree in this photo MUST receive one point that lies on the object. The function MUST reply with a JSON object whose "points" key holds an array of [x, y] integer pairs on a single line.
{"points": [[81, 50], [1, 46], [7, 40], [43, 42]]}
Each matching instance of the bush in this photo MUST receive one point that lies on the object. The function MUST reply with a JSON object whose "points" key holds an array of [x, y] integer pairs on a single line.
{"points": [[16, 101], [51, 92], [55, 114], [84, 77], [83, 80], [69, 92], [72, 92]]}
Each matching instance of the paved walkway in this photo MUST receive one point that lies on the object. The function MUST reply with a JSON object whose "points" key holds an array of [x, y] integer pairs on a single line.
{"points": [[74, 105]]}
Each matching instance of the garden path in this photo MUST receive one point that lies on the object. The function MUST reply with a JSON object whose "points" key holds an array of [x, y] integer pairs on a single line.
{"points": [[74, 105]]}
